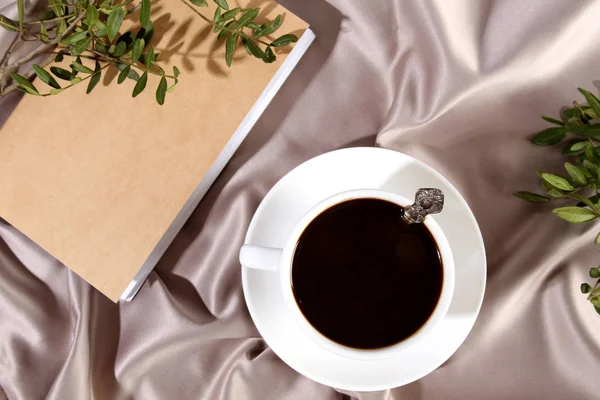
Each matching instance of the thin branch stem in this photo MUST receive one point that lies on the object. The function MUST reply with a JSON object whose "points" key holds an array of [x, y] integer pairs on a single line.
{"points": [[49, 20], [45, 47], [14, 86]]}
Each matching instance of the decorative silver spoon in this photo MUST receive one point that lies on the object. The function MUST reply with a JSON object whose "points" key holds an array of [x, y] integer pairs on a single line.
{"points": [[427, 201]]}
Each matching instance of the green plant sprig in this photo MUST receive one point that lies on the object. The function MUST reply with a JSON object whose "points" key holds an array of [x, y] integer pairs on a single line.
{"points": [[228, 25], [582, 179], [89, 29]]}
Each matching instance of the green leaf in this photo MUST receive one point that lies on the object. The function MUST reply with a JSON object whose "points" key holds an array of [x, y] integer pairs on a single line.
{"points": [[592, 100], [594, 272], [531, 197], [269, 55], [247, 18], [230, 48], [595, 302], [44, 33], [555, 193], [575, 148], [176, 72], [123, 74], [597, 308], [597, 240], [226, 16], [138, 47], [54, 92], [557, 181], [270, 27], [145, 12], [590, 155], [199, 3], [575, 173], [253, 48], [585, 288], [94, 79], [217, 17], [225, 31], [591, 168], [8, 24], [74, 38], [120, 49], [284, 40], [140, 85], [45, 76], [21, 12], [583, 129], [61, 73], [576, 215], [75, 81], [253, 26], [553, 121], [91, 16], [161, 91], [584, 200], [48, 15], [62, 26], [549, 136], [149, 58], [57, 7], [114, 21], [223, 4], [77, 66], [81, 46], [24, 83]]}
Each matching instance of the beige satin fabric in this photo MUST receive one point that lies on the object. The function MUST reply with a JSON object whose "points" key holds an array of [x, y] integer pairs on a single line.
{"points": [[458, 84]]}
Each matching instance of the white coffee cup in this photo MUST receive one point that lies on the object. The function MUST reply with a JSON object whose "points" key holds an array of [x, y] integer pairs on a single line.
{"points": [[281, 261]]}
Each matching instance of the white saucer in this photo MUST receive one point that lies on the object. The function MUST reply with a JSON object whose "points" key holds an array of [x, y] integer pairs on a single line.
{"points": [[362, 168]]}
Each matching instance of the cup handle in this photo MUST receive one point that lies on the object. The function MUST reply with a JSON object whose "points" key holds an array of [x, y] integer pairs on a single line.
{"points": [[258, 257]]}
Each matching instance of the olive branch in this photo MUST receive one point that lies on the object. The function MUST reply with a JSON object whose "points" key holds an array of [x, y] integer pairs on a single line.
{"points": [[582, 180], [90, 30]]}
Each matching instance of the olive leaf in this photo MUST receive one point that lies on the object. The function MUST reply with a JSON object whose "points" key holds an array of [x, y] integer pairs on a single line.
{"points": [[140, 85], [8, 24], [270, 27], [594, 272], [61, 73], [45, 76], [21, 12], [230, 48], [199, 3], [549, 136], [284, 40], [553, 121], [123, 74], [161, 91], [575, 148], [24, 84], [248, 17], [531, 197], [145, 13], [115, 19], [557, 181], [223, 4], [95, 78], [592, 100], [138, 48], [91, 16], [575, 215], [576, 173]]}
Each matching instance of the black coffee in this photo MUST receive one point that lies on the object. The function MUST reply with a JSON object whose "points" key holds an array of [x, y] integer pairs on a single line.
{"points": [[363, 277]]}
